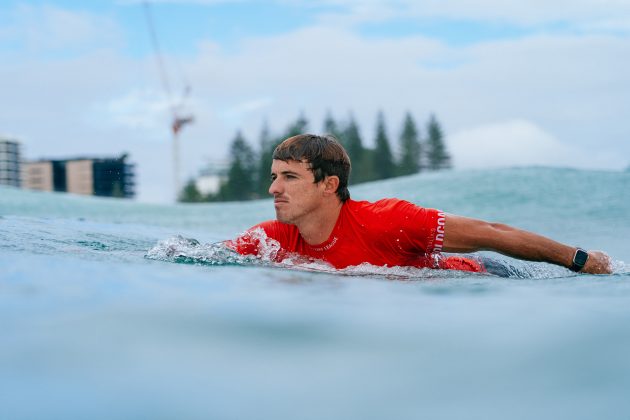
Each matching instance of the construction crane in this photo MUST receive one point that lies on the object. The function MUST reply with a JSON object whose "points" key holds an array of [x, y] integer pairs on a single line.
{"points": [[178, 120]]}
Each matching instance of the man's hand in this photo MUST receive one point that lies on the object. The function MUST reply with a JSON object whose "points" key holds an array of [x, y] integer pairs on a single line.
{"points": [[597, 263]]}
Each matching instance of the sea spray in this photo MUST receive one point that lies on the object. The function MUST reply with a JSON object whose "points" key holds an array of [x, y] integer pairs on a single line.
{"points": [[179, 249], [182, 250]]}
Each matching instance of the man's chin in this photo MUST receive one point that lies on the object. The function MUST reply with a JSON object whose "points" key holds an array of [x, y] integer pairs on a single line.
{"points": [[283, 219]]}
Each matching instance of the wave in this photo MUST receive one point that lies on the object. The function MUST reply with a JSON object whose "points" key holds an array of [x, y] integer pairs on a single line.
{"points": [[549, 201], [181, 250]]}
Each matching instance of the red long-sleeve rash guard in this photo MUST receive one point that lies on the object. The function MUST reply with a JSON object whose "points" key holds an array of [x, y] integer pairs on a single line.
{"points": [[389, 232]]}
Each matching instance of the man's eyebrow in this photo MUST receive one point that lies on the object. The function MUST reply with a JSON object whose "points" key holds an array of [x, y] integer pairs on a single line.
{"points": [[286, 173]]}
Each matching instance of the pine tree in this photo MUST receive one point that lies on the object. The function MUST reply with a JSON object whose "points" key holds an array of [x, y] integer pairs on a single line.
{"points": [[354, 144], [267, 145], [409, 147], [437, 155], [240, 183], [331, 127], [361, 165], [298, 127], [190, 193], [383, 160]]}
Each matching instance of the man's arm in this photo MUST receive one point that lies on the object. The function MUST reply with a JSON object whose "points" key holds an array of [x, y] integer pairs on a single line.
{"points": [[462, 234]]}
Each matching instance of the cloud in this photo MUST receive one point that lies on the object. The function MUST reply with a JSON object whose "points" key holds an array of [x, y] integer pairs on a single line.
{"points": [[544, 99], [202, 2], [236, 113], [46, 27], [509, 143], [591, 15], [523, 13], [144, 109], [520, 143], [619, 25]]}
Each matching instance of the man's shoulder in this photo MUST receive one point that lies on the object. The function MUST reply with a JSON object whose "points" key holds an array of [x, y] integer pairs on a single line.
{"points": [[384, 204], [274, 227]]}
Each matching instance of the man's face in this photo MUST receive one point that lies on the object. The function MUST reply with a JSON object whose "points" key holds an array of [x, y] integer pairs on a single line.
{"points": [[296, 196]]}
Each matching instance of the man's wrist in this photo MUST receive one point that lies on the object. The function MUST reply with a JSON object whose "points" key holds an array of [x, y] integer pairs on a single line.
{"points": [[580, 257]]}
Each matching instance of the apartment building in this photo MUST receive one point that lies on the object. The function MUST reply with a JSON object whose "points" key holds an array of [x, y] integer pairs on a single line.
{"points": [[100, 176], [10, 162]]}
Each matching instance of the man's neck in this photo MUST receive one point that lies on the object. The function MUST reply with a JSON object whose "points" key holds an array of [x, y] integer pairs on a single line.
{"points": [[318, 227]]}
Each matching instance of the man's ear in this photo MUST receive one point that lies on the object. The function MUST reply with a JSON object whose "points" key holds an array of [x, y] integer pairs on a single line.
{"points": [[331, 184]]}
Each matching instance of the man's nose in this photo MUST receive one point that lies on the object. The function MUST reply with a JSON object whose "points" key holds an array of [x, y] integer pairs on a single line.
{"points": [[274, 188]]}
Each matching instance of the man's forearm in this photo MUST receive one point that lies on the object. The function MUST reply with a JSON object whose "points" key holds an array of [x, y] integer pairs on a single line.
{"points": [[525, 245], [469, 235]]}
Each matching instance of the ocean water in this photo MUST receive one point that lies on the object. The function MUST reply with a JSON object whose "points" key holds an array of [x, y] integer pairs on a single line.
{"points": [[115, 309]]}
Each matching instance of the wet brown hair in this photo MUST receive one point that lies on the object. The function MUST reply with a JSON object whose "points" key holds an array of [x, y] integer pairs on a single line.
{"points": [[325, 155]]}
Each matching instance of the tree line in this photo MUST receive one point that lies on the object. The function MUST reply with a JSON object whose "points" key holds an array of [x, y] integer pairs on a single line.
{"points": [[248, 176]]}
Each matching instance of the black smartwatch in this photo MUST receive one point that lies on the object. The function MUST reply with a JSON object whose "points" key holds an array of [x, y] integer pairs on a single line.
{"points": [[579, 260]]}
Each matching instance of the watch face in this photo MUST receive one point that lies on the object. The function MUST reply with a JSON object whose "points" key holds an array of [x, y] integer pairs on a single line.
{"points": [[580, 257]]}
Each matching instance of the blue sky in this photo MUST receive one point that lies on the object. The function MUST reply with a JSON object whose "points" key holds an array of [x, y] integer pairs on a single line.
{"points": [[513, 83], [181, 24]]}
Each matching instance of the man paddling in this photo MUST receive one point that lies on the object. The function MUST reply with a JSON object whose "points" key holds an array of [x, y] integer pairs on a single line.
{"points": [[316, 218]]}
